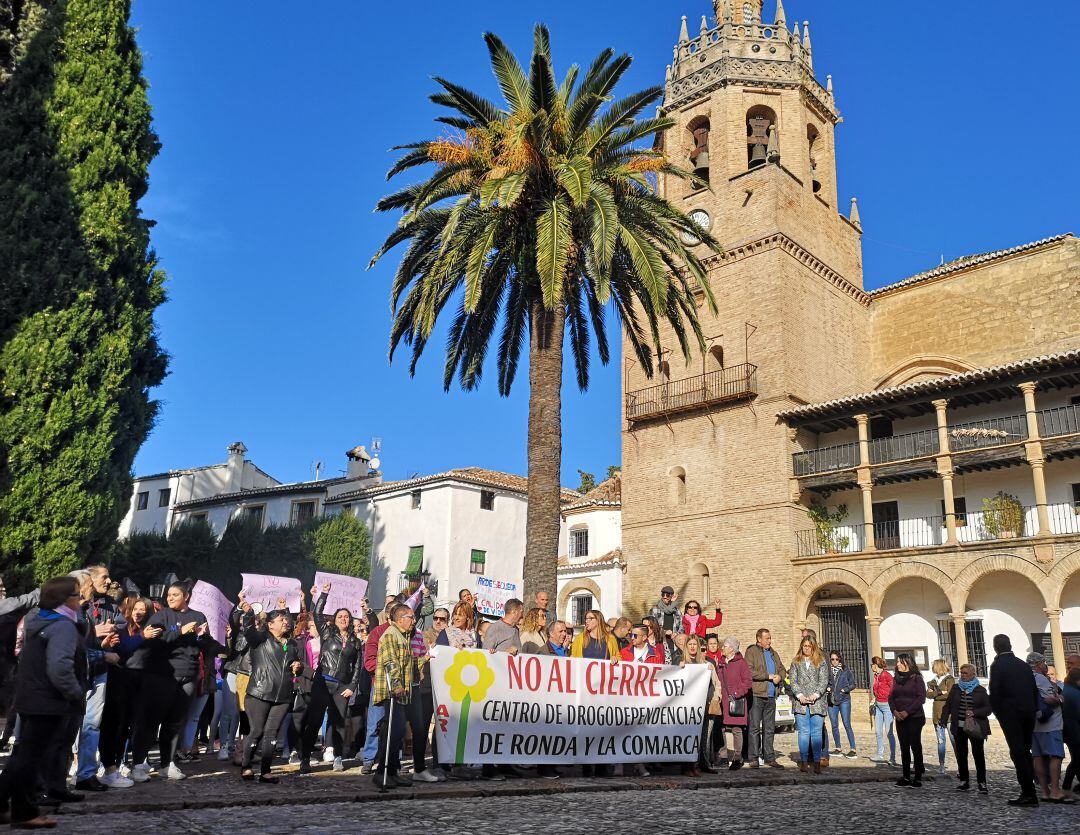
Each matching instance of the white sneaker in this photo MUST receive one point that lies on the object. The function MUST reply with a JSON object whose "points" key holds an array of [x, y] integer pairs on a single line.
{"points": [[174, 773], [116, 780], [425, 777], [294, 758], [140, 773], [328, 755], [941, 770], [338, 764], [224, 754]]}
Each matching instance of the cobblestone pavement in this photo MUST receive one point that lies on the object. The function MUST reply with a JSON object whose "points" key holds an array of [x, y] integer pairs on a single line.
{"points": [[800, 808]]}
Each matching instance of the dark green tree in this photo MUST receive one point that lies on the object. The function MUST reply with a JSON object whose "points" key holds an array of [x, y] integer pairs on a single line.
{"points": [[613, 470], [342, 545], [78, 283], [143, 558], [588, 481]]}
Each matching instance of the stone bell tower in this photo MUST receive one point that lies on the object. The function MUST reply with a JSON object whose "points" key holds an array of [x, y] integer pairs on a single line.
{"points": [[707, 489]]}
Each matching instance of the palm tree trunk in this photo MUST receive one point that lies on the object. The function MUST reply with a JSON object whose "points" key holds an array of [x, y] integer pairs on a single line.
{"points": [[543, 517]]}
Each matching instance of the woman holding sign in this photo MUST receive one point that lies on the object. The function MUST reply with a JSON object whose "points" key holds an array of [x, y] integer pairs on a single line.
{"points": [[275, 660], [336, 680]]}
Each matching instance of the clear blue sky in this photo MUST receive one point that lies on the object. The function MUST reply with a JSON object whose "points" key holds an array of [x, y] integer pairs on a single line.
{"points": [[959, 137]]}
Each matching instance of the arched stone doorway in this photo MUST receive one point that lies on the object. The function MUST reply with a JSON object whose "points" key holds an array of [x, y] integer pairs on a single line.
{"points": [[1004, 602], [834, 604]]}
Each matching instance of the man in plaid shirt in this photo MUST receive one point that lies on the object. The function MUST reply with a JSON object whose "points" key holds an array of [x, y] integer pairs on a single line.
{"points": [[395, 670]]}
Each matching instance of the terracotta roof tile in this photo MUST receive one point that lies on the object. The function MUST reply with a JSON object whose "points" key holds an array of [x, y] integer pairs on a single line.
{"points": [[610, 558], [608, 493]]}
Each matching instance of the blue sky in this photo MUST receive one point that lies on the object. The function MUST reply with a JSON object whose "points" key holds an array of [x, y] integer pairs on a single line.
{"points": [[276, 118]]}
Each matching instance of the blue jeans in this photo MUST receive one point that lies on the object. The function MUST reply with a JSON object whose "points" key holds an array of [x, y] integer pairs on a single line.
{"points": [[191, 723], [809, 726], [371, 745], [230, 712], [90, 734], [836, 714], [941, 734], [883, 722]]}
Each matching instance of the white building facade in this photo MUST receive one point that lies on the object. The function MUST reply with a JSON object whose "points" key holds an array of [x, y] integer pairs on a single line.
{"points": [[591, 564]]}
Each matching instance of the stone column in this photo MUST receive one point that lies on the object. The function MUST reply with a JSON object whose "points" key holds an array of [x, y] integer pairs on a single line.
{"points": [[960, 624], [873, 624], [866, 483], [1057, 643], [945, 470], [1035, 458]]}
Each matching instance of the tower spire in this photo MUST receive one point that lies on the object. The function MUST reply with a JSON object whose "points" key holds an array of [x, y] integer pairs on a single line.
{"points": [[854, 216], [704, 25], [781, 17], [684, 35]]}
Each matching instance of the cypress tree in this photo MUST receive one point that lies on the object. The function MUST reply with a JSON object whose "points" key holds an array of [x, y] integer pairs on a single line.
{"points": [[78, 285]]}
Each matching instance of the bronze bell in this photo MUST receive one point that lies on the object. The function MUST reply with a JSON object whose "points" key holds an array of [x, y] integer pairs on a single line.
{"points": [[757, 156]]}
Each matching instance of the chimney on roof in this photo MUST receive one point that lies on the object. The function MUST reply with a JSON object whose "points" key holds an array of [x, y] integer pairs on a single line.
{"points": [[234, 479], [359, 461]]}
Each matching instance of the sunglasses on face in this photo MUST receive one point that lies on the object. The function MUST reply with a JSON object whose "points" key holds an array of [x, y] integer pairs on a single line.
{"points": [[691, 608], [437, 618]]}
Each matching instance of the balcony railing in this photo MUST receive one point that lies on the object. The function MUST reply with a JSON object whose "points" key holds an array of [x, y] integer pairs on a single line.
{"points": [[989, 432], [902, 447], [734, 383], [963, 437], [1064, 420], [826, 459], [930, 531]]}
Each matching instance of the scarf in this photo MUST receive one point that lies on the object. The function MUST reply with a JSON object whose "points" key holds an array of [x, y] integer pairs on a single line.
{"points": [[902, 678], [692, 620], [67, 612], [968, 686]]}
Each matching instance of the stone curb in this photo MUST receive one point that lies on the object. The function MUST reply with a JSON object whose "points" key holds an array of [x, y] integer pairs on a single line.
{"points": [[456, 790]]}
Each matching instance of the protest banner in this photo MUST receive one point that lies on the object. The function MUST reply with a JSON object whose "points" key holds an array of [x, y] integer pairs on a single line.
{"points": [[265, 589], [214, 605], [490, 595], [546, 710], [345, 592]]}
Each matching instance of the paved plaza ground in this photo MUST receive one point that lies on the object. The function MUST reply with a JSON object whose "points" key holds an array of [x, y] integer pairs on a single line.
{"points": [[846, 797]]}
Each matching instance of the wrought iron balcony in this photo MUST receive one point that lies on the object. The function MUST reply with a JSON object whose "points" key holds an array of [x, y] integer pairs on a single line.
{"points": [[930, 531], [827, 459], [989, 432], [1064, 420], [903, 447], [739, 382]]}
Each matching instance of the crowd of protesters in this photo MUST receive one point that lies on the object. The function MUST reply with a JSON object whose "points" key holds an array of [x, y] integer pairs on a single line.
{"points": [[113, 677]]}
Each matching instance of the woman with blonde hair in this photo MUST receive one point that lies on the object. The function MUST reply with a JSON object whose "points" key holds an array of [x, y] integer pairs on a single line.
{"points": [[460, 633], [531, 632], [938, 690], [695, 654], [809, 675], [595, 640]]}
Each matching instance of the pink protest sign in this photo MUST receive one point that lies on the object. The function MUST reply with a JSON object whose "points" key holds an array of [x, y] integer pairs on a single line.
{"points": [[215, 606], [265, 589], [345, 592]]}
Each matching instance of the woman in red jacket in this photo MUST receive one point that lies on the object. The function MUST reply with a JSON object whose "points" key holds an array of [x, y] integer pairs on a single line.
{"points": [[883, 717], [694, 621]]}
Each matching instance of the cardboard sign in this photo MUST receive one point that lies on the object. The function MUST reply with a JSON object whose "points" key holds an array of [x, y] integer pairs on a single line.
{"points": [[265, 589], [215, 606], [345, 592]]}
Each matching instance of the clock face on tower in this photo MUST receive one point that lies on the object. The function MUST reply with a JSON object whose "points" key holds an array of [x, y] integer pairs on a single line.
{"points": [[700, 218]]}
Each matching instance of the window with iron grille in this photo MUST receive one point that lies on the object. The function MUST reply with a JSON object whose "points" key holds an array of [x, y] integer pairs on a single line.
{"points": [[946, 634], [579, 542], [976, 646], [843, 629], [581, 605], [302, 512], [487, 499], [477, 562]]}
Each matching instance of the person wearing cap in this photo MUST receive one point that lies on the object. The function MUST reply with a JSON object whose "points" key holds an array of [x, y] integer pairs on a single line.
{"points": [[666, 612], [1047, 742]]}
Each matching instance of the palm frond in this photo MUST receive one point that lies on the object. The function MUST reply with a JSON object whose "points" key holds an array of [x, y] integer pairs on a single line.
{"points": [[466, 102], [552, 246], [512, 80]]}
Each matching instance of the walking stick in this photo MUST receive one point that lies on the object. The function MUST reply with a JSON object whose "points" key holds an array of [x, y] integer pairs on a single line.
{"points": [[389, 725]]}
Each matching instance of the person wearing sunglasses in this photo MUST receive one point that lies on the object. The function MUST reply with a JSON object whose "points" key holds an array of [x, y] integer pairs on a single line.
{"points": [[696, 622]]}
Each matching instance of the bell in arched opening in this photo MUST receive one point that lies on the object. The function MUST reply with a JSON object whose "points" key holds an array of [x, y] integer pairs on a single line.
{"points": [[699, 156], [758, 140]]}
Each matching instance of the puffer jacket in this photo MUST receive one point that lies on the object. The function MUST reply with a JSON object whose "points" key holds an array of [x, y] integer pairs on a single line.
{"points": [[237, 661], [271, 676], [338, 660], [53, 671]]}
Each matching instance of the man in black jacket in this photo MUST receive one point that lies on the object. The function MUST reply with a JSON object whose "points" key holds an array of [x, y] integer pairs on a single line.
{"points": [[1015, 701]]}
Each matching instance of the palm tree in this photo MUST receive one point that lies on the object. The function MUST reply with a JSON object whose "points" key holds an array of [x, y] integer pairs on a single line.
{"points": [[537, 216]]}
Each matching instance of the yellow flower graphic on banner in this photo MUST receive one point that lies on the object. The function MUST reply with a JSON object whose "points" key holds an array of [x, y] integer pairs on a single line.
{"points": [[485, 676]]}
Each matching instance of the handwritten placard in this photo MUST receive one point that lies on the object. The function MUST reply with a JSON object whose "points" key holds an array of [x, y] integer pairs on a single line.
{"points": [[345, 592], [215, 606], [265, 589]]}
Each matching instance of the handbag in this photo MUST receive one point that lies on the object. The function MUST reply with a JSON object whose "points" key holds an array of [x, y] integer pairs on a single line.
{"points": [[973, 729], [715, 708], [736, 707]]}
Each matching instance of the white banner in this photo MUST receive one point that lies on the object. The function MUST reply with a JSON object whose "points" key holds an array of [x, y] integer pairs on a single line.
{"points": [[265, 589], [345, 592], [490, 595], [544, 710]]}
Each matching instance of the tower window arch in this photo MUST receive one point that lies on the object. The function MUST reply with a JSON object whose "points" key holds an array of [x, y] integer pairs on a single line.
{"points": [[714, 360], [812, 137], [759, 120], [677, 485], [699, 146]]}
